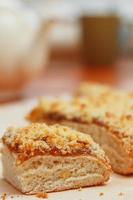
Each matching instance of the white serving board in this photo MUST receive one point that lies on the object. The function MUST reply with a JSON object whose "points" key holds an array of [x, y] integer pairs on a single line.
{"points": [[14, 115]]}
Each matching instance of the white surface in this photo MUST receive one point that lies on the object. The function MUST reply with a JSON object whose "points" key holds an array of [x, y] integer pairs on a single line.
{"points": [[14, 115]]}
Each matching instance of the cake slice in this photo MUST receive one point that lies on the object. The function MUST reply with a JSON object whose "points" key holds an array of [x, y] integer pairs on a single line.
{"points": [[40, 158], [110, 125]]}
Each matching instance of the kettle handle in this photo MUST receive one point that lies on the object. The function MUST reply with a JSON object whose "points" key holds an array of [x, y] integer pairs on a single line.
{"points": [[37, 54], [43, 31]]}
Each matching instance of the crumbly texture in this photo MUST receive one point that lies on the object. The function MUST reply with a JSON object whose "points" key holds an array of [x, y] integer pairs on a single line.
{"points": [[40, 139], [92, 89], [116, 117], [104, 95]]}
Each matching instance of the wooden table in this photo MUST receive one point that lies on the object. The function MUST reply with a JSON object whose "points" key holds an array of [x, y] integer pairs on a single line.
{"points": [[62, 78]]}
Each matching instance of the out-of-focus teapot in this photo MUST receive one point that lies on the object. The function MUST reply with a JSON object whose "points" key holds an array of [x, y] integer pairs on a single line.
{"points": [[23, 47]]}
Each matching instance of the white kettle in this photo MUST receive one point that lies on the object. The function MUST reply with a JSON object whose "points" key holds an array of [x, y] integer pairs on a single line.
{"points": [[23, 45]]}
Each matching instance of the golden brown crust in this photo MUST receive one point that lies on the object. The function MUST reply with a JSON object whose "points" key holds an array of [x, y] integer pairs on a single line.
{"points": [[117, 118], [40, 139]]}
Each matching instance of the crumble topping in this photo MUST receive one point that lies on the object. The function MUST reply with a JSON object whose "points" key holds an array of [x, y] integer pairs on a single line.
{"points": [[93, 89], [116, 116], [40, 139]]}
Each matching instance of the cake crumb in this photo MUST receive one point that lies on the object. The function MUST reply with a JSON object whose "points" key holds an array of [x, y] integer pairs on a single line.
{"points": [[3, 196], [12, 197], [80, 189], [101, 194], [42, 195], [121, 194]]}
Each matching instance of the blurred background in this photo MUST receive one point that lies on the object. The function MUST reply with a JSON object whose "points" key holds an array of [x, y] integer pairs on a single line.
{"points": [[47, 47]]}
